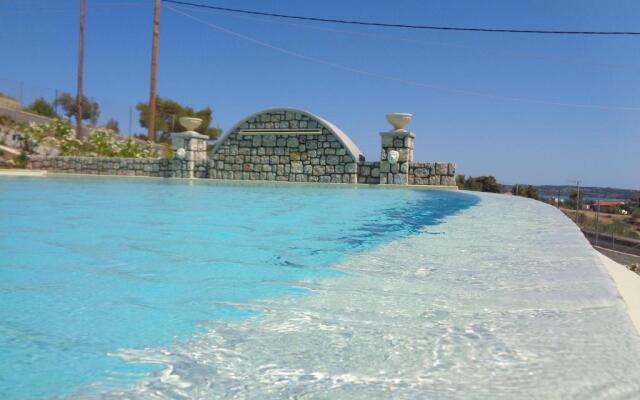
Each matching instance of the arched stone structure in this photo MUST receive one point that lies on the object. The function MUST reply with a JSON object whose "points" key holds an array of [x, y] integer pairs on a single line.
{"points": [[285, 144], [277, 144]]}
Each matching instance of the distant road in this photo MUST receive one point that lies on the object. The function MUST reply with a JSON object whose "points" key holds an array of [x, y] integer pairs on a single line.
{"points": [[619, 257], [623, 250], [625, 245]]}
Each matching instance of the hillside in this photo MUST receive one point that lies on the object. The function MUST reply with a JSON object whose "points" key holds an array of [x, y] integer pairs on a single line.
{"points": [[588, 191]]}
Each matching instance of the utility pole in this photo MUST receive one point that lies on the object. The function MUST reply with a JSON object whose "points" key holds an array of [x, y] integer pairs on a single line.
{"points": [[577, 199], [83, 11], [597, 218], [154, 70]]}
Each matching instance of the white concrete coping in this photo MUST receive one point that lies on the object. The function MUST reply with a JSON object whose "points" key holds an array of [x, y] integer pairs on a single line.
{"points": [[346, 141], [628, 284], [22, 172], [265, 132]]}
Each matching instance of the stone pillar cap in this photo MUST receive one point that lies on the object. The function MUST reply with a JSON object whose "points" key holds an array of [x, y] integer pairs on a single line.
{"points": [[190, 135], [402, 132]]}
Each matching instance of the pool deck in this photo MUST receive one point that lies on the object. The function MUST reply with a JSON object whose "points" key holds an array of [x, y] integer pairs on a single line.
{"points": [[21, 172], [628, 284]]}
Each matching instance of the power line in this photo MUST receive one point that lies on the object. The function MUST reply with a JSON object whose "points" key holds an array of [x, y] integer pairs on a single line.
{"points": [[512, 54], [394, 78], [406, 26]]}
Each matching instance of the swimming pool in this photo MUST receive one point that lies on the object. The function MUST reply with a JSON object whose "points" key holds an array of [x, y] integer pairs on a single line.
{"points": [[140, 287]]}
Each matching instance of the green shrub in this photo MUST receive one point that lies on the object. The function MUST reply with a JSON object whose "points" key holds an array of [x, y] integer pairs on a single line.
{"points": [[479, 184], [167, 151], [100, 142], [22, 160], [42, 107]]}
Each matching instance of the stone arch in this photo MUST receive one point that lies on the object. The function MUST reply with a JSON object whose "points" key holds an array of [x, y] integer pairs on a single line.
{"points": [[286, 144]]}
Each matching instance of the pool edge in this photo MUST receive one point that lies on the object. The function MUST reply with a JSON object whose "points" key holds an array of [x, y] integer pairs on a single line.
{"points": [[628, 285], [21, 172], [42, 173]]}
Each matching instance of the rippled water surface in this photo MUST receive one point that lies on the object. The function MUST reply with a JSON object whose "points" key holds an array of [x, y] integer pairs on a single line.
{"points": [[92, 267], [153, 289]]}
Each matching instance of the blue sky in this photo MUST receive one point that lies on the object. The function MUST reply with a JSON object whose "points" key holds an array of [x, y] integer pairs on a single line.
{"points": [[492, 102]]}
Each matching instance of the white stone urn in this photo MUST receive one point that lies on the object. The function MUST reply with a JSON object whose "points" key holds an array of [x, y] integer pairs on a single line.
{"points": [[190, 123], [399, 120]]}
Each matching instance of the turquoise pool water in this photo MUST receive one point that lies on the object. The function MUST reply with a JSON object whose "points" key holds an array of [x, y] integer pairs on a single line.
{"points": [[93, 270], [502, 300]]}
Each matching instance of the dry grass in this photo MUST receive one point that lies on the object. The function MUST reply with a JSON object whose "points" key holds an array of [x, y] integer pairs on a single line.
{"points": [[587, 218]]}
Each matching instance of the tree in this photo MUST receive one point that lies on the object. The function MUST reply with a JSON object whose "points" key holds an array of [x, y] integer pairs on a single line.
{"points": [[460, 179], [532, 192], [168, 114], [113, 125], [526, 191], [572, 201], [42, 107], [479, 184], [90, 109]]}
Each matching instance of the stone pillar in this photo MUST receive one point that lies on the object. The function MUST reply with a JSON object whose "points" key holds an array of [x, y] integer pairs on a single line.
{"points": [[189, 148], [395, 156]]}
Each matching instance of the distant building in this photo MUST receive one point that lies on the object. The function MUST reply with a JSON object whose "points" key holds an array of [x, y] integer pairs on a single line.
{"points": [[604, 203], [11, 108], [607, 206], [9, 102]]}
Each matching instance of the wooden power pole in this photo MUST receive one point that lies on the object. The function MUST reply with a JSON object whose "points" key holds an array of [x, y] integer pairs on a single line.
{"points": [[154, 71], [79, 94], [577, 200]]}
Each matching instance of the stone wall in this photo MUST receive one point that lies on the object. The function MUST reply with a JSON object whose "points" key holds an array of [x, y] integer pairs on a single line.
{"points": [[432, 174], [110, 166], [369, 172], [10, 137], [22, 116], [273, 145], [10, 103], [281, 145]]}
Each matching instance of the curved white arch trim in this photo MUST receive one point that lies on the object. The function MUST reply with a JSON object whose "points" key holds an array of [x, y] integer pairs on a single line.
{"points": [[346, 141]]}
